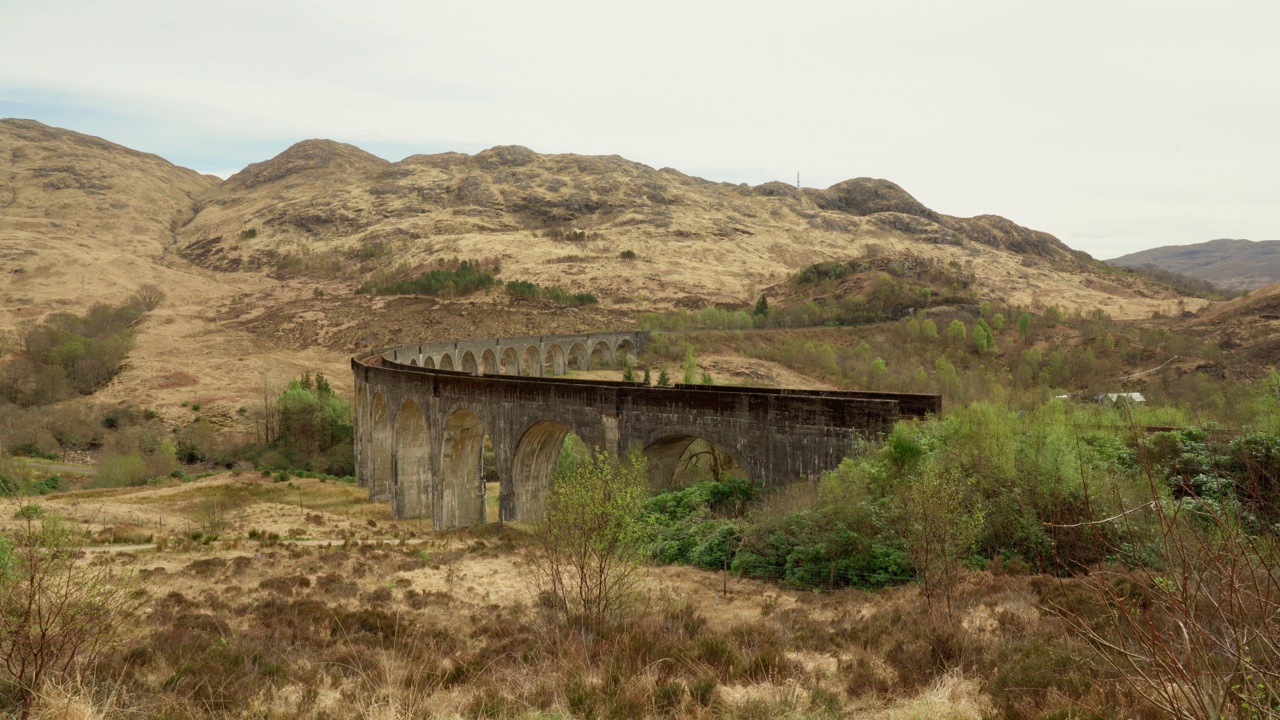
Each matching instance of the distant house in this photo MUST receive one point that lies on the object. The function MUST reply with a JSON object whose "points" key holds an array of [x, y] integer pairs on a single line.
{"points": [[1116, 398]]}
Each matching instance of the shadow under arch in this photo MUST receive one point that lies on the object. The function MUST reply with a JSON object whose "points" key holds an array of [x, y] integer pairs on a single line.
{"points": [[553, 362], [427, 362], [461, 479], [469, 364], [382, 478], [531, 362], [578, 357], [446, 362], [413, 362], [489, 362], [413, 488], [626, 349], [537, 452], [600, 356], [673, 452], [510, 362]]}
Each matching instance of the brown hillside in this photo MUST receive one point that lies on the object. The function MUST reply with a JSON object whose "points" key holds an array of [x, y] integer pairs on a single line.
{"points": [[1248, 326], [260, 285], [82, 219], [330, 211]]}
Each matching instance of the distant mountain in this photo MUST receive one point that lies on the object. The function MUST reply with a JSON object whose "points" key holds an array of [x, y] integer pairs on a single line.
{"points": [[1229, 264]]}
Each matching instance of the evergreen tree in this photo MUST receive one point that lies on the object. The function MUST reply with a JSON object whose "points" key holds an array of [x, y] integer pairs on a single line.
{"points": [[628, 375], [664, 380], [762, 307]]}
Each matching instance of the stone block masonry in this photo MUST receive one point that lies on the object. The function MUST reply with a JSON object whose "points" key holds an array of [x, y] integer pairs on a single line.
{"points": [[422, 412]]}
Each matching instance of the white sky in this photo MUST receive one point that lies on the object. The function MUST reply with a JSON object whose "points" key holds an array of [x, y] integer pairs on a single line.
{"points": [[1114, 125]]}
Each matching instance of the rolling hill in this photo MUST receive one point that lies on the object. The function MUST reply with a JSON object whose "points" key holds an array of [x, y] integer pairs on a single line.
{"points": [[1229, 264], [261, 269]]}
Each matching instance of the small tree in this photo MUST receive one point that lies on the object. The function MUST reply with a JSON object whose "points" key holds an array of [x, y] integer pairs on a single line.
{"points": [[57, 611], [689, 366], [148, 297], [628, 374], [1024, 327], [646, 381], [942, 521], [664, 380], [957, 333], [762, 308], [589, 547]]}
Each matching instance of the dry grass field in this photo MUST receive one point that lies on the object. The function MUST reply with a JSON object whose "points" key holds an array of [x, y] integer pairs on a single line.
{"points": [[301, 599]]}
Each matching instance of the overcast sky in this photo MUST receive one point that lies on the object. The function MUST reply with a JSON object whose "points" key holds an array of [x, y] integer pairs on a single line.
{"points": [[1114, 125]]}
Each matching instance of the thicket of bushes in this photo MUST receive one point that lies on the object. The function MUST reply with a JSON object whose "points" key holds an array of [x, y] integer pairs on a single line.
{"points": [[306, 428], [1025, 489], [68, 355], [525, 290], [449, 279], [1003, 354]]}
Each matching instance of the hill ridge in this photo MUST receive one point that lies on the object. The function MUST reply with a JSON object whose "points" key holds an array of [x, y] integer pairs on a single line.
{"points": [[1228, 263]]}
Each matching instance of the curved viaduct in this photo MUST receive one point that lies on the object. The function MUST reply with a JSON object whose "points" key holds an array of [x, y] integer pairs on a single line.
{"points": [[422, 412]]}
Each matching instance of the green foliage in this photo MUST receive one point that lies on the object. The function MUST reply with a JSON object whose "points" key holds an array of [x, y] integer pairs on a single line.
{"points": [[313, 423], [664, 380], [710, 318], [689, 366], [628, 373], [524, 290], [68, 354], [627, 254], [122, 469], [450, 279], [590, 543], [762, 308]]}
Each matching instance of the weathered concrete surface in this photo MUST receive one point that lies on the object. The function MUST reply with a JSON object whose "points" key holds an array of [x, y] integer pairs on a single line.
{"points": [[420, 430]]}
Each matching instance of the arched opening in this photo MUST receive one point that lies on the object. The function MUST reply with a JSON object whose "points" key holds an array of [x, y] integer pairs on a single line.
{"points": [[427, 362], [462, 485], [531, 362], [413, 486], [537, 452], [679, 460], [510, 362], [578, 357], [446, 362], [469, 364], [553, 361], [413, 362], [382, 479], [600, 356], [626, 349], [488, 362]]}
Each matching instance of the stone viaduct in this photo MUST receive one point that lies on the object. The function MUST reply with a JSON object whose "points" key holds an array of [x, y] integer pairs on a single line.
{"points": [[422, 412]]}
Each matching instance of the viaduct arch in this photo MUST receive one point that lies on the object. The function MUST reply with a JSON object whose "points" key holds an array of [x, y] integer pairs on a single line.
{"points": [[422, 413]]}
